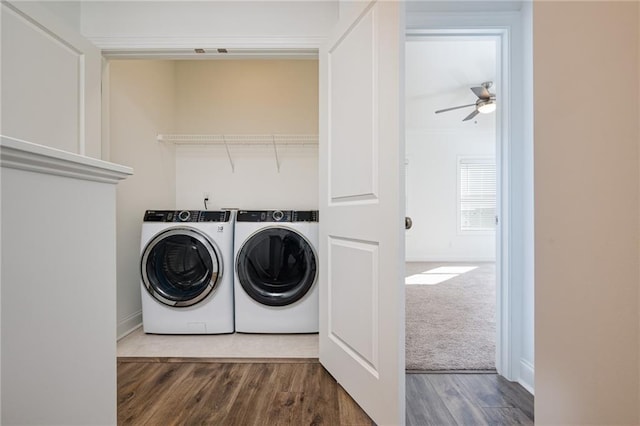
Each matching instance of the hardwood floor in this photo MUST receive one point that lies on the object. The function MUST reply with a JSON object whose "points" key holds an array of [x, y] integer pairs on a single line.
{"points": [[215, 393], [172, 391], [466, 399]]}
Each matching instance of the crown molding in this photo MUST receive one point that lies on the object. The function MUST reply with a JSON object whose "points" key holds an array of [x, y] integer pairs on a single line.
{"points": [[266, 46]]}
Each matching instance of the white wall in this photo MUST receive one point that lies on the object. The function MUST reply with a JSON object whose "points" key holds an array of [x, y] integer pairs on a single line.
{"points": [[196, 24], [586, 229], [142, 104], [432, 196], [50, 76], [58, 288], [256, 182], [67, 11], [247, 97], [28, 57]]}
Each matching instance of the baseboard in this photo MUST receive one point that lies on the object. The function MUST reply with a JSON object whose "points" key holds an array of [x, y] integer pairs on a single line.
{"points": [[218, 360], [451, 371], [526, 378], [129, 323]]}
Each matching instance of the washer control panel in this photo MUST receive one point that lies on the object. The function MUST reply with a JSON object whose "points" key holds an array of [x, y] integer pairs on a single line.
{"points": [[186, 216], [304, 216], [277, 216]]}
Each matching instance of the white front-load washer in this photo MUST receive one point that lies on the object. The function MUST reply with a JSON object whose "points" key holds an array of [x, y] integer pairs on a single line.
{"points": [[186, 267], [276, 271]]}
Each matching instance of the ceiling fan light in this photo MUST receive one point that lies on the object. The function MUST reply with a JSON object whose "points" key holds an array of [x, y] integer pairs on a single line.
{"points": [[487, 107]]}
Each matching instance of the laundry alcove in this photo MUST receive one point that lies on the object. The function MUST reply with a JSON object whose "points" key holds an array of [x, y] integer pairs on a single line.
{"points": [[240, 132]]}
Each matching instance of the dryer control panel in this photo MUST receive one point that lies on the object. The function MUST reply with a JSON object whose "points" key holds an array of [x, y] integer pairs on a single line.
{"points": [[304, 216], [186, 216], [277, 216]]}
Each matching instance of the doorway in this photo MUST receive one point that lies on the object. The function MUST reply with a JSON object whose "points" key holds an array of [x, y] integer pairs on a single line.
{"points": [[451, 196], [155, 106], [511, 27]]}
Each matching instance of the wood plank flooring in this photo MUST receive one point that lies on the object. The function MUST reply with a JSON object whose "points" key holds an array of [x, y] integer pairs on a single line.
{"points": [[172, 391], [215, 393], [466, 399]]}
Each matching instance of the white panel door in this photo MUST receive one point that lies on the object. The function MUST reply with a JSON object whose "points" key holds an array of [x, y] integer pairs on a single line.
{"points": [[362, 208]]}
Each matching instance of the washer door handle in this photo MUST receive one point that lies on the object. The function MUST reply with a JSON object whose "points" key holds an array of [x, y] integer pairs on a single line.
{"points": [[408, 223]]}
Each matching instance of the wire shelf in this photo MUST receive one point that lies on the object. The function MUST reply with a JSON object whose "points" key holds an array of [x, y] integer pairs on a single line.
{"points": [[285, 139], [229, 141]]}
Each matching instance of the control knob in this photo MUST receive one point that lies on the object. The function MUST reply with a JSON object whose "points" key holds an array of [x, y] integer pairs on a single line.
{"points": [[278, 215], [184, 215]]}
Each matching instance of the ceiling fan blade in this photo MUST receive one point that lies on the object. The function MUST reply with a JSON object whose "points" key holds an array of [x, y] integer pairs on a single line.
{"points": [[451, 109], [481, 92], [470, 116]]}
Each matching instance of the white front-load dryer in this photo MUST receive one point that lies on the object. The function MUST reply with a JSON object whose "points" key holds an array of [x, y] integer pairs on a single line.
{"points": [[186, 268], [276, 271]]}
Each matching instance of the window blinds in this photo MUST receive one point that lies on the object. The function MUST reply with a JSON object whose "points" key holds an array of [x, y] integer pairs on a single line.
{"points": [[477, 194]]}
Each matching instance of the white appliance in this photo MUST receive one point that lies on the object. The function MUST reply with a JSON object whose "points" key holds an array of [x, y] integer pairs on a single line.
{"points": [[186, 267], [276, 271]]}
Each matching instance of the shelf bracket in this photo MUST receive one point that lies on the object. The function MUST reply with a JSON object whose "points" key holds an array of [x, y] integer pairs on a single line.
{"points": [[226, 146], [275, 151]]}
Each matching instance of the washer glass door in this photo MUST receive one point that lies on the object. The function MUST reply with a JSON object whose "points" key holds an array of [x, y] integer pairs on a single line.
{"points": [[276, 266], [180, 267]]}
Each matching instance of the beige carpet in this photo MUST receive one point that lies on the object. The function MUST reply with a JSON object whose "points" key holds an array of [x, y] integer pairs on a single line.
{"points": [[450, 321]]}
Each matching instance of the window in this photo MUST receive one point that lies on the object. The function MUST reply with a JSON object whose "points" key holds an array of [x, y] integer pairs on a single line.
{"points": [[477, 193]]}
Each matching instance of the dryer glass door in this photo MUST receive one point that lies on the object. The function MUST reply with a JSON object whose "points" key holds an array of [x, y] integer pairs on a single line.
{"points": [[180, 267], [276, 266]]}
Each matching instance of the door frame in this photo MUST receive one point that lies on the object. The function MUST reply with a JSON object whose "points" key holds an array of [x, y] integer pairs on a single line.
{"points": [[181, 48], [514, 323], [502, 250]]}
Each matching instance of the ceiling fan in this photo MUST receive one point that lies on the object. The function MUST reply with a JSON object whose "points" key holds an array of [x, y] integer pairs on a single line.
{"points": [[485, 104]]}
